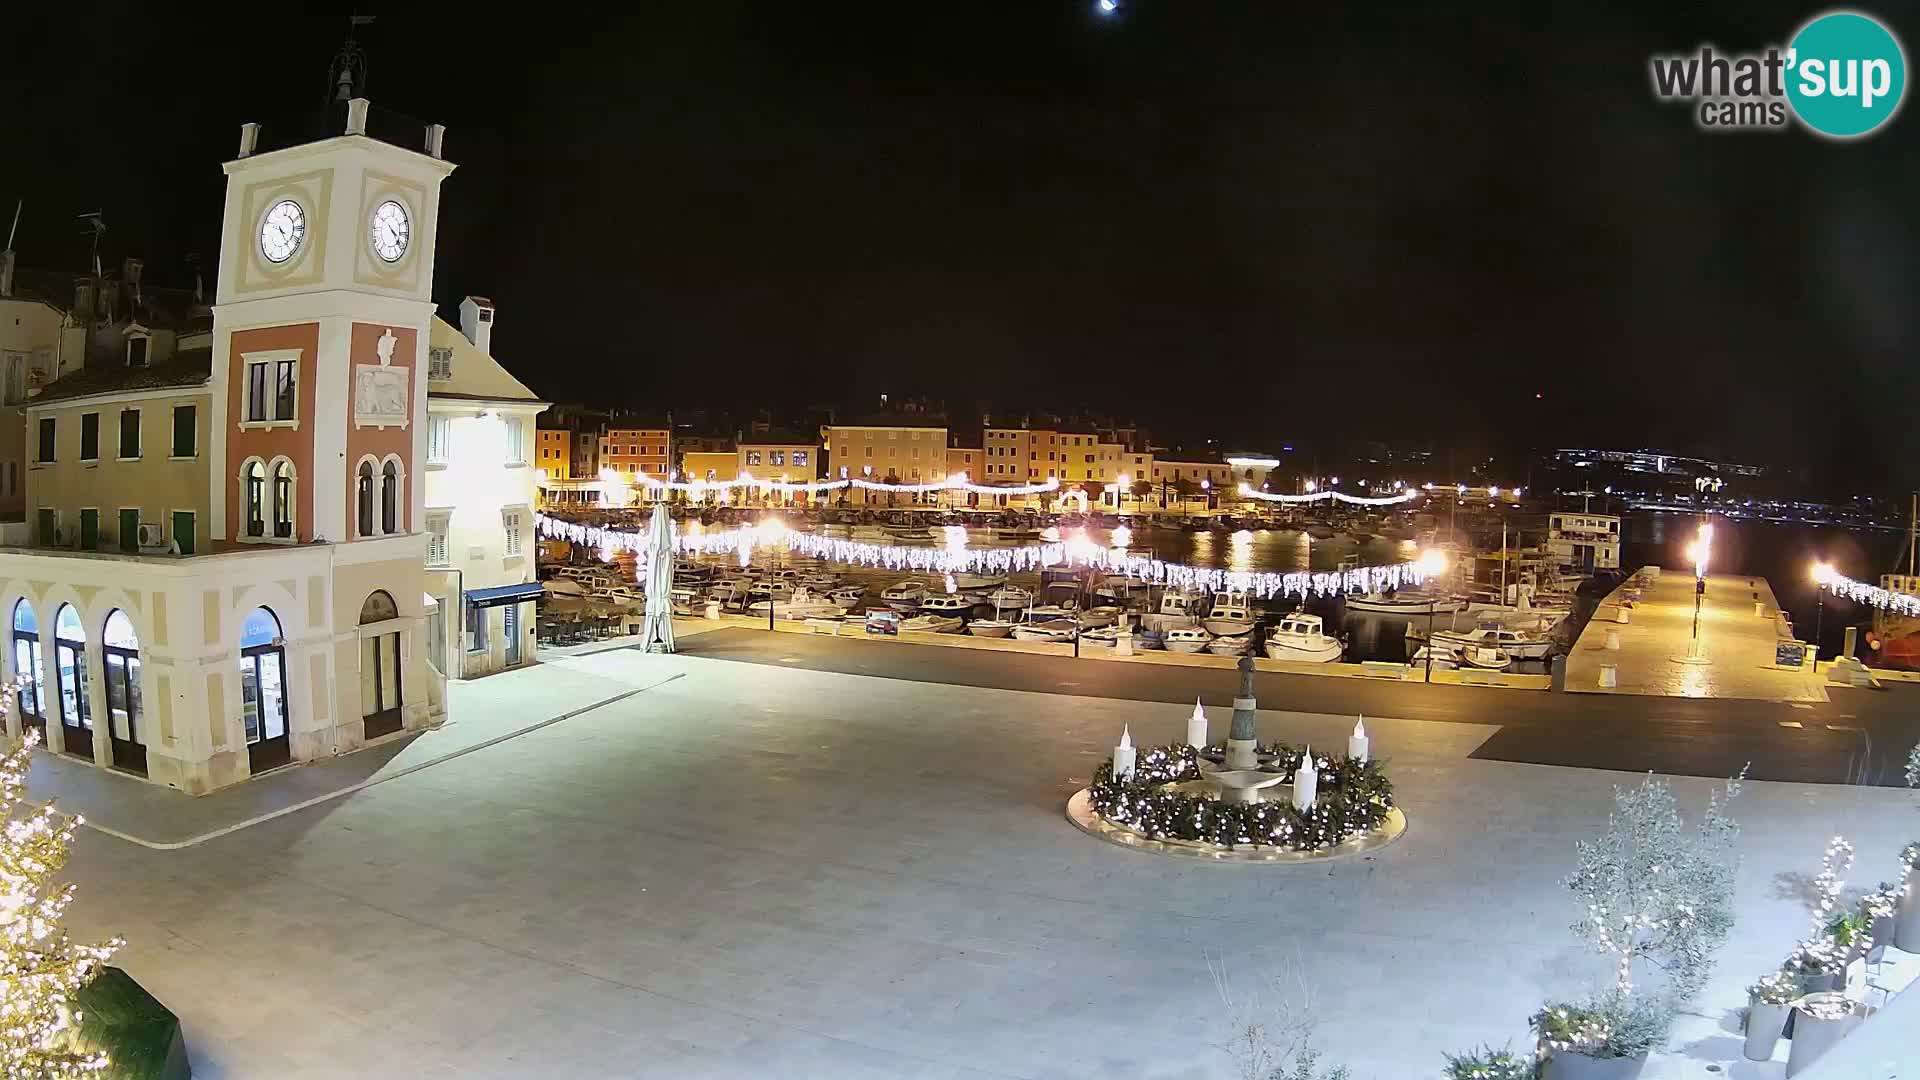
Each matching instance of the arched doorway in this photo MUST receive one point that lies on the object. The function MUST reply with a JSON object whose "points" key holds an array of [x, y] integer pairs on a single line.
{"points": [[380, 697], [70, 665], [263, 691], [26, 663], [120, 648]]}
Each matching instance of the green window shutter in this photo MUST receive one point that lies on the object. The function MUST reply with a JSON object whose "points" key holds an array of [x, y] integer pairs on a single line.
{"points": [[183, 530], [129, 530], [89, 530]]}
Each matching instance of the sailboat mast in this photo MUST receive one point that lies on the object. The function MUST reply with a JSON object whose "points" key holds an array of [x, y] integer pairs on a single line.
{"points": [[1913, 518]]}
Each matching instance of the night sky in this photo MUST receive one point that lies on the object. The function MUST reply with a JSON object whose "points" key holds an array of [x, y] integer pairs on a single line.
{"points": [[1252, 221]]}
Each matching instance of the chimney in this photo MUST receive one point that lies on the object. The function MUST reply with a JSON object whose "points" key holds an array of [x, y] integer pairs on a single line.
{"points": [[130, 273], [476, 321], [249, 138], [6, 272], [436, 138], [357, 116], [83, 287]]}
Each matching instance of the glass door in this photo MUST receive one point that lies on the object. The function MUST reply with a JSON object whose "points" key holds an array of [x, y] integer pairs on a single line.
{"points": [[512, 616], [380, 684], [263, 694]]}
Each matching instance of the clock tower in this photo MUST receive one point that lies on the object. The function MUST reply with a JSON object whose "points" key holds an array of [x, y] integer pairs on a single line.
{"points": [[321, 320]]}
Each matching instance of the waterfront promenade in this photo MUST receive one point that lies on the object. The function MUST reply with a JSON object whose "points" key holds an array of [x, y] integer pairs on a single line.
{"points": [[1741, 627]]}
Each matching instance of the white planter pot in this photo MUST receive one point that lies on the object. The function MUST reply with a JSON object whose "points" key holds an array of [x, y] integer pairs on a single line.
{"points": [[1814, 1036], [1906, 920], [1882, 937], [1764, 1025], [1566, 1065]]}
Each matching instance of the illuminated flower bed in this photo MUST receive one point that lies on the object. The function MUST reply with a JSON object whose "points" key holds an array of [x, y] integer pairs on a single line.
{"points": [[1166, 800]]}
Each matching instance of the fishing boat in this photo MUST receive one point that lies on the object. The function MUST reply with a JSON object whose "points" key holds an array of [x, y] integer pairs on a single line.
{"points": [[1408, 602], [1320, 530], [1230, 644], [980, 583], [770, 590], [905, 595], [1438, 659], [1230, 616], [803, 605], [691, 572], [1102, 615], [1520, 643], [1186, 639], [908, 532], [1010, 598], [1055, 630], [1303, 637], [847, 597], [1102, 635], [933, 624], [951, 605], [1483, 656], [728, 593], [1177, 609], [993, 628]]}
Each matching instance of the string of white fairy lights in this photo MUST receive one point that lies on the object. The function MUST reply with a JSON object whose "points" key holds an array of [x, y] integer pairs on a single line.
{"points": [[956, 482], [1078, 553], [1250, 492], [1872, 595]]}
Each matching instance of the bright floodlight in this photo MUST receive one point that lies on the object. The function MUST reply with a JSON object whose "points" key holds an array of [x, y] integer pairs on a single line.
{"points": [[1701, 549], [1431, 563], [1107, 7], [1311, 486], [1822, 573]]}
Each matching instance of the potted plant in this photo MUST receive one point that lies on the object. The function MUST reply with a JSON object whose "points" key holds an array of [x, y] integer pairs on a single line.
{"points": [[1818, 965], [1605, 1038], [1851, 933], [1768, 1003], [1906, 924], [1820, 1021], [1880, 907], [1487, 1063]]}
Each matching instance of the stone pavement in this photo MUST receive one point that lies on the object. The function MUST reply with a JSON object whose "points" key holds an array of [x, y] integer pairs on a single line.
{"points": [[1738, 645], [755, 871]]}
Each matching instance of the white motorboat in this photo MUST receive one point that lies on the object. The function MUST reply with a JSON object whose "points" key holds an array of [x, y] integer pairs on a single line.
{"points": [[1104, 635], [933, 624], [1177, 610], [980, 583], [683, 599], [1440, 659], [729, 592], [1303, 637], [993, 628], [1186, 639], [803, 605], [952, 605], [1051, 630], [1230, 644], [770, 590], [1103, 615], [691, 572], [1010, 598], [1044, 612], [1230, 616], [819, 581], [1485, 656], [1407, 602], [1521, 643], [905, 595], [847, 597]]}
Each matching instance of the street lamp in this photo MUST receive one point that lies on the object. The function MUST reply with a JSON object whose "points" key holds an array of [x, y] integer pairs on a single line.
{"points": [[1822, 576], [1701, 550], [1432, 563]]}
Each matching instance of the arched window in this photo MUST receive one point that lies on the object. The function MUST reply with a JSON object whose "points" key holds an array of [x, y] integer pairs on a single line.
{"points": [[390, 497], [254, 481], [283, 499], [363, 498], [26, 663], [379, 607], [263, 690], [120, 649], [70, 663]]}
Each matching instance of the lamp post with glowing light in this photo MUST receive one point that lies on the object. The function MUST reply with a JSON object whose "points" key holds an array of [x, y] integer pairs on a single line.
{"points": [[1822, 574], [1701, 550], [1432, 563]]}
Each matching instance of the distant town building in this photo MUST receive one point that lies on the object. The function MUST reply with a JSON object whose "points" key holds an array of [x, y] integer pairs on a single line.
{"points": [[1583, 542], [631, 451]]}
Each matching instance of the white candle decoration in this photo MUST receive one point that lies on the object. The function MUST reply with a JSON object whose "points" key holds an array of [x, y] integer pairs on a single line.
{"points": [[1197, 727], [1306, 781], [1357, 742], [1123, 756]]}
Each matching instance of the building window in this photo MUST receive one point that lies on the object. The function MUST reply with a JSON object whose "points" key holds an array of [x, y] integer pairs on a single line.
{"points": [[137, 350], [777, 457], [390, 497], [800, 458], [16, 376], [439, 432], [476, 628], [437, 527], [363, 498], [186, 431], [753, 457], [254, 477], [129, 434], [440, 362], [516, 434], [283, 500], [89, 437], [270, 391], [510, 521]]}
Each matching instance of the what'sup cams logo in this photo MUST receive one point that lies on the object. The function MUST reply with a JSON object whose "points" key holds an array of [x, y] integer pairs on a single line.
{"points": [[1842, 76]]}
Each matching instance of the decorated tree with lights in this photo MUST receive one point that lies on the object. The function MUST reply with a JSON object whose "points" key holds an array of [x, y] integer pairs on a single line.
{"points": [[1655, 891], [41, 968]]}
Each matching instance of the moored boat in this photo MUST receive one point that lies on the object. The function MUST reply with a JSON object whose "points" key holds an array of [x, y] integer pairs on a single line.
{"points": [[1230, 615], [1303, 637], [1186, 639], [905, 595]]}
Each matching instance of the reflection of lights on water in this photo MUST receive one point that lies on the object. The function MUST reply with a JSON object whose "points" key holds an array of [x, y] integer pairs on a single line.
{"points": [[1076, 535], [1050, 534], [956, 539], [606, 554], [952, 585], [1122, 537], [1240, 553]]}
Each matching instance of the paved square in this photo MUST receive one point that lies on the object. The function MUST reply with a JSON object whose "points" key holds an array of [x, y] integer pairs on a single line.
{"points": [[754, 871]]}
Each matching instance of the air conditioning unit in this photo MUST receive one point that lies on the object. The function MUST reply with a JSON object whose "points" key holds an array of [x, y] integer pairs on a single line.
{"points": [[151, 536]]}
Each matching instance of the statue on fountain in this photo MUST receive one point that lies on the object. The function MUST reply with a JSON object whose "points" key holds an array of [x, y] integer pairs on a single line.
{"points": [[1241, 779]]}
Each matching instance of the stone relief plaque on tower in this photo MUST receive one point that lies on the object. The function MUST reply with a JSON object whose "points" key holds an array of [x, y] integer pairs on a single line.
{"points": [[381, 394]]}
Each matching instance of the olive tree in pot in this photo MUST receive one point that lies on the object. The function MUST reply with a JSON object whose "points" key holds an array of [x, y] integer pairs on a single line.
{"points": [[1607, 1037], [1768, 1003], [1879, 907], [1487, 1063]]}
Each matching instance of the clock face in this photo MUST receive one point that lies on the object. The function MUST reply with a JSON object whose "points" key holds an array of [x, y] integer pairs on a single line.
{"points": [[389, 231], [282, 231]]}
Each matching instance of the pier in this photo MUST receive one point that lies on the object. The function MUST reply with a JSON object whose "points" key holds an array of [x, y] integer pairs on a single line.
{"points": [[1745, 649]]}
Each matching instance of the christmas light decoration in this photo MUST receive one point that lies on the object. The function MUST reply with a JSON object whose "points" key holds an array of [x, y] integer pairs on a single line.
{"points": [[1250, 492], [956, 482], [41, 968], [1871, 595], [1078, 552]]}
